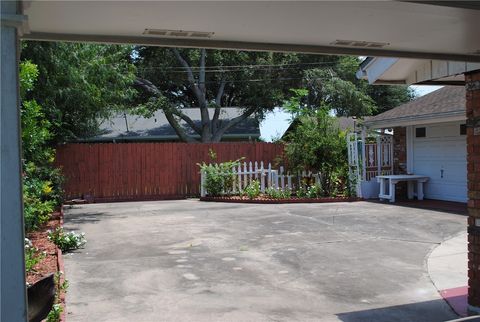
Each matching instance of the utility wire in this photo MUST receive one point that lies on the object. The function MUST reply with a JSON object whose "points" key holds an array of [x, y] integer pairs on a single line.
{"points": [[267, 79], [245, 66]]}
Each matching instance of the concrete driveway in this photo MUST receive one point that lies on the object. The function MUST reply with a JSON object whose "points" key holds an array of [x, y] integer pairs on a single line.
{"points": [[196, 261]]}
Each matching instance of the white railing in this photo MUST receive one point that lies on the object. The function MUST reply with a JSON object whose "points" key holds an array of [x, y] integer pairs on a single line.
{"points": [[245, 174]]}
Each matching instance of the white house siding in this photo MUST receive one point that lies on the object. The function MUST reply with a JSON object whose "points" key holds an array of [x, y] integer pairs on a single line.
{"points": [[445, 149]]}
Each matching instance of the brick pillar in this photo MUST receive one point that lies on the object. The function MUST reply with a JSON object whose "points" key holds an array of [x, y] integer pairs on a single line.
{"points": [[400, 159], [473, 168]]}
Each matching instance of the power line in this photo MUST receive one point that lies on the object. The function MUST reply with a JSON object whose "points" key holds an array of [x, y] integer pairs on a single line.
{"points": [[233, 67], [229, 70], [268, 79]]}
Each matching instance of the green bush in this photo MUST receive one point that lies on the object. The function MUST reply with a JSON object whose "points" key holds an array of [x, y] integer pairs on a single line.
{"points": [[32, 256], [286, 193], [317, 144], [314, 191], [41, 181], [67, 241], [252, 191], [219, 177], [54, 314], [273, 193], [301, 192]]}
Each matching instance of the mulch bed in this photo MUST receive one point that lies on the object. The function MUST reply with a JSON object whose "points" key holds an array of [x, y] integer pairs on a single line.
{"points": [[53, 261], [265, 200]]}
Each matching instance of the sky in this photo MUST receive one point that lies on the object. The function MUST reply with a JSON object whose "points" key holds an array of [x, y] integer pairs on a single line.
{"points": [[277, 122]]}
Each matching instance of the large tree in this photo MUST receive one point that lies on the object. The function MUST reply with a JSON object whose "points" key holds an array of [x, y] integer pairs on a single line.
{"points": [[337, 87], [173, 79], [79, 84]]}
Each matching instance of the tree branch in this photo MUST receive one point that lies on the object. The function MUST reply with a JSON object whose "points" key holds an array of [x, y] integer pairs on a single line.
{"points": [[220, 132], [218, 107], [206, 133], [153, 90], [187, 120], [178, 128], [201, 74], [189, 71], [221, 89], [147, 86]]}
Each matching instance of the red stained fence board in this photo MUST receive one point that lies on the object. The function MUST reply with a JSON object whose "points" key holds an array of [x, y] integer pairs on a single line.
{"points": [[147, 171]]}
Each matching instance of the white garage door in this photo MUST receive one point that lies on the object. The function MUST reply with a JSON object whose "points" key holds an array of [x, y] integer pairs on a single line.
{"points": [[439, 151]]}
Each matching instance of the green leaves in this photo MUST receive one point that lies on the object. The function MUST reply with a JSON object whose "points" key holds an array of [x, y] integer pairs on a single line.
{"points": [[79, 84], [345, 98], [317, 144], [28, 75], [219, 177], [67, 241]]}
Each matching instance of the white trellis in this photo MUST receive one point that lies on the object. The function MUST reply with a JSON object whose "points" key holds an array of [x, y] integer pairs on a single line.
{"points": [[369, 157], [246, 172]]}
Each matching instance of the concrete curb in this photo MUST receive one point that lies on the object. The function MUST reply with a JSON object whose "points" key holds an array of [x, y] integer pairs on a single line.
{"points": [[61, 268], [280, 201], [447, 272]]}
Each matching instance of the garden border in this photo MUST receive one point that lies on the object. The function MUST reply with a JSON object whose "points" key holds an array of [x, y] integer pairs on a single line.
{"points": [[61, 268], [281, 201]]}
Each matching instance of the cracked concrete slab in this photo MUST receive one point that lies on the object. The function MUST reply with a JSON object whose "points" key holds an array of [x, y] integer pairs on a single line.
{"points": [[194, 261]]}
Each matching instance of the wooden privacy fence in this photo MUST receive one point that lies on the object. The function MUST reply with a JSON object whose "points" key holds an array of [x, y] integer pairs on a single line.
{"points": [[147, 171], [245, 173]]}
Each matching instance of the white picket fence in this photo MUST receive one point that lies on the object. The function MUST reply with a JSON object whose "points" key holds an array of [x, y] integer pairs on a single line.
{"points": [[268, 177]]}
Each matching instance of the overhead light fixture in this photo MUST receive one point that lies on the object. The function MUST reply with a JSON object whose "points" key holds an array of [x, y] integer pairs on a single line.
{"points": [[356, 43], [178, 33]]}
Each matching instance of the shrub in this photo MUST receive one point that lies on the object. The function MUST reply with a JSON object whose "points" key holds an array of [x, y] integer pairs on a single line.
{"points": [[274, 193], [219, 177], [318, 144], [314, 191], [36, 210], [301, 192], [252, 191], [54, 314], [67, 241], [286, 193], [32, 256]]}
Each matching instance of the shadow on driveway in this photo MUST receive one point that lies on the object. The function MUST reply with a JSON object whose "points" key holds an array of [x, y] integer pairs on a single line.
{"points": [[400, 313]]}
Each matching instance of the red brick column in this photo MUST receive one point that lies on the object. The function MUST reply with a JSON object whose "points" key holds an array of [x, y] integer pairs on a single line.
{"points": [[473, 168]]}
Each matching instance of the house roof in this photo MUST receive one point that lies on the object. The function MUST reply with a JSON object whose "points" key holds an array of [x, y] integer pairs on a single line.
{"points": [[446, 103], [133, 127]]}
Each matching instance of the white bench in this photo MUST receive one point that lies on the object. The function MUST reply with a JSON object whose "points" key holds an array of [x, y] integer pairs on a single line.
{"points": [[394, 179]]}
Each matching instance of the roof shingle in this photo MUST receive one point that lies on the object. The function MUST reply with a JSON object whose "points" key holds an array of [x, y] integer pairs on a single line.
{"points": [[444, 101]]}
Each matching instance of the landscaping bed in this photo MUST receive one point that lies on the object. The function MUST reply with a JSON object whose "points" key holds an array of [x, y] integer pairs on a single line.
{"points": [[49, 256], [266, 200]]}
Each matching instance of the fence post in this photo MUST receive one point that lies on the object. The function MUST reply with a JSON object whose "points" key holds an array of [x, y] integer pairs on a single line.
{"points": [[250, 172], [239, 172], [245, 175], [269, 179], [282, 178], [289, 181], [262, 177], [202, 183], [234, 183]]}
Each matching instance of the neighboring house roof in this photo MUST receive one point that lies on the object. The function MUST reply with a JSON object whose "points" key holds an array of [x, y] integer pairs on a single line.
{"points": [[126, 127], [442, 105]]}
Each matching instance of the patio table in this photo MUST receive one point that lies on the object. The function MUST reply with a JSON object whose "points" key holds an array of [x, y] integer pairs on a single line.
{"points": [[394, 179]]}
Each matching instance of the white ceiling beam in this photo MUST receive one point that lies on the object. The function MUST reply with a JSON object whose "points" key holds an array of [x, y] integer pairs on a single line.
{"points": [[253, 46]]}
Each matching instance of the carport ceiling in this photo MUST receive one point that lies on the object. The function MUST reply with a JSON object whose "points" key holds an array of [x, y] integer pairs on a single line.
{"points": [[376, 28]]}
